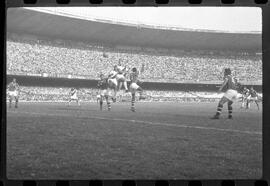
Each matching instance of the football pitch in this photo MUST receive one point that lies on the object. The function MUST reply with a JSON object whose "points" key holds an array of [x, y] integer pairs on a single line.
{"points": [[159, 141]]}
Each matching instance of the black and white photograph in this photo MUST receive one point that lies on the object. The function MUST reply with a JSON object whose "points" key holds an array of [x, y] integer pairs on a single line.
{"points": [[134, 93]]}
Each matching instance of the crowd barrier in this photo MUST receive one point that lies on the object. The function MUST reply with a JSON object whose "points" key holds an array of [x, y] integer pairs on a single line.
{"points": [[88, 83]]}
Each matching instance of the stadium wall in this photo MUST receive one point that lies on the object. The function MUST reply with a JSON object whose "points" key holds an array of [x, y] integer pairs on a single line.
{"points": [[88, 83]]}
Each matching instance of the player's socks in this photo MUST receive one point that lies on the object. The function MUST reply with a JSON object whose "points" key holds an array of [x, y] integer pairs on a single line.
{"points": [[133, 103], [100, 104], [16, 104], [248, 105], [219, 109], [230, 109], [108, 103]]}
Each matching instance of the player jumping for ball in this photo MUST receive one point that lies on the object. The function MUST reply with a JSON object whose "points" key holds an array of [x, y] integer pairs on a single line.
{"points": [[113, 83], [121, 76], [134, 87], [73, 96], [230, 87], [13, 92], [104, 91]]}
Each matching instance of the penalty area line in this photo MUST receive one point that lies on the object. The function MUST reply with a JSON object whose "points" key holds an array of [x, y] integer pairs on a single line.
{"points": [[144, 122]]}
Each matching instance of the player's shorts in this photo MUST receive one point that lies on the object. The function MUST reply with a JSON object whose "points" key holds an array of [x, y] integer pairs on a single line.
{"points": [[244, 97], [98, 96], [120, 77], [249, 98], [231, 94], [133, 87], [112, 82], [104, 92], [14, 93], [74, 97]]}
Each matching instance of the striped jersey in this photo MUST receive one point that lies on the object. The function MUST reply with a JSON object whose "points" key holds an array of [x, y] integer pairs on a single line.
{"points": [[253, 93], [245, 92], [103, 84], [134, 77], [231, 83]]}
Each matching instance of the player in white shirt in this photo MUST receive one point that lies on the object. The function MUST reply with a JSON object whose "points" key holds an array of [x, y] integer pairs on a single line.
{"points": [[98, 97], [121, 76], [13, 92], [112, 82], [73, 96]]}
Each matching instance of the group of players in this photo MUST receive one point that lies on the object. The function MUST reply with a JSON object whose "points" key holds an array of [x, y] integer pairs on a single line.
{"points": [[248, 96], [111, 84], [231, 87]]}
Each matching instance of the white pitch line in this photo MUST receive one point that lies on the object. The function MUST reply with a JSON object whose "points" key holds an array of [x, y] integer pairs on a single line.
{"points": [[147, 123]]}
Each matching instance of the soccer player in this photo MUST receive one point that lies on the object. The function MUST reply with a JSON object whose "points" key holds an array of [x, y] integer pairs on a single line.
{"points": [[134, 87], [121, 76], [230, 86], [253, 96], [13, 92], [113, 83], [245, 94], [98, 97], [73, 96], [104, 91]]}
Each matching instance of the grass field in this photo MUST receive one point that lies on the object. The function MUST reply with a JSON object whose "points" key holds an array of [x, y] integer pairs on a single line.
{"points": [[158, 141]]}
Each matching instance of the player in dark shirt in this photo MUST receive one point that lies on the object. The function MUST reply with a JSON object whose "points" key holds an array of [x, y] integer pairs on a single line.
{"points": [[104, 91], [134, 87], [230, 87], [245, 94], [253, 96]]}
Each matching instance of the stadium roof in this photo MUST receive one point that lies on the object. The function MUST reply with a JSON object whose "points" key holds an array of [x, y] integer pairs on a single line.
{"points": [[119, 33]]}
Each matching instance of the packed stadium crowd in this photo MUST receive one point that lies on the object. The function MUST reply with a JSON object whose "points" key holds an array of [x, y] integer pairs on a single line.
{"points": [[56, 57]]}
